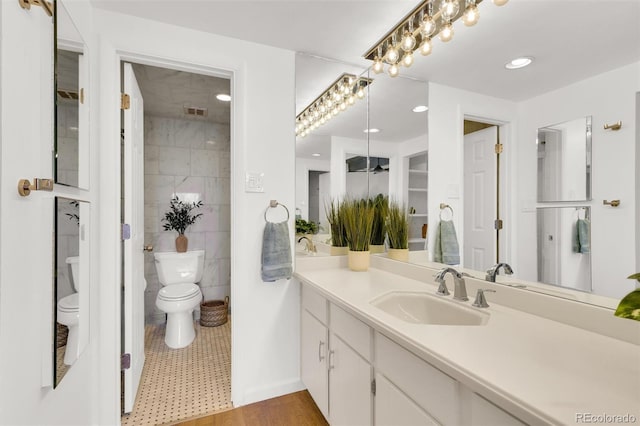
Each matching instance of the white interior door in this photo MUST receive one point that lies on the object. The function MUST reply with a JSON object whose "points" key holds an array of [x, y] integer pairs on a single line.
{"points": [[134, 282], [480, 198]]}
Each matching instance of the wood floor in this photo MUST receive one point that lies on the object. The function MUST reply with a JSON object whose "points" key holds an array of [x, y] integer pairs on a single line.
{"points": [[293, 409]]}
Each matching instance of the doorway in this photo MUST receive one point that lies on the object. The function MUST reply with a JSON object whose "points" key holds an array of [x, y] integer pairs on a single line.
{"points": [[182, 128], [482, 220]]}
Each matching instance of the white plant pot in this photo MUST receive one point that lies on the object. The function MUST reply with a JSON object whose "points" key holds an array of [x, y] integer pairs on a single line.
{"points": [[399, 254], [374, 248], [359, 260], [338, 251]]}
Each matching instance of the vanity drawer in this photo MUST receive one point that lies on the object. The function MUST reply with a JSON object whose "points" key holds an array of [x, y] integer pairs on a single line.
{"points": [[351, 330], [314, 303], [430, 388]]}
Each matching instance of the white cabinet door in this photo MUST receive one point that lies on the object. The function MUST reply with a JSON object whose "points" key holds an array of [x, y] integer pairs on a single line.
{"points": [[314, 361], [393, 408], [349, 386]]}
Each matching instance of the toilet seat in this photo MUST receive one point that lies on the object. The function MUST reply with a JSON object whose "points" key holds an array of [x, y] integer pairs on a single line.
{"points": [[69, 303], [178, 292]]}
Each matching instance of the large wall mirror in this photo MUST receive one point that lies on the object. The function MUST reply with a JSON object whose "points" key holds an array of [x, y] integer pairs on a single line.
{"points": [[564, 161], [71, 289], [71, 147]]}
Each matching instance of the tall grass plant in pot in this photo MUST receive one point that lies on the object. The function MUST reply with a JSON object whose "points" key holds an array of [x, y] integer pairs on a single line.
{"points": [[179, 218], [335, 217], [358, 216], [379, 231], [398, 232]]}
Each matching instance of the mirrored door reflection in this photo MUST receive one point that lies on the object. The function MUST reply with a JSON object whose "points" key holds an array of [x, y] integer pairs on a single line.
{"points": [[71, 82], [71, 273], [564, 246]]}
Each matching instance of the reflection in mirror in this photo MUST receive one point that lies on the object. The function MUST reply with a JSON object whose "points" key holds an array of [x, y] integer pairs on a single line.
{"points": [[564, 161], [71, 135], [71, 219], [366, 178], [564, 246]]}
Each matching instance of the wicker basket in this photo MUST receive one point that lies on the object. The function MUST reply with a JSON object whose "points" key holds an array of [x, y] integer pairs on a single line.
{"points": [[61, 335], [214, 312]]}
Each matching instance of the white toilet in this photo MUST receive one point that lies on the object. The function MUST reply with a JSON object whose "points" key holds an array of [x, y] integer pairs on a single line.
{"points": [[179, 273], [68, 313]]}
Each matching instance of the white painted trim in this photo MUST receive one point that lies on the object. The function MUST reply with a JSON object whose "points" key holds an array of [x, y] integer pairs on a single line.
{"points": [[261, 393]]}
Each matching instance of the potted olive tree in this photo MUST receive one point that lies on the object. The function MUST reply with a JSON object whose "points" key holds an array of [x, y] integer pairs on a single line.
{"points": [[179, 218], [379, 231], [398, 232], [358, 216], [335, 217]]}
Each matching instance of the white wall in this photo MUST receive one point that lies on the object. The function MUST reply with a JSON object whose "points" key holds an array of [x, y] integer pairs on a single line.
{"points": [[26, 224], [448, 107], [608, 97]]}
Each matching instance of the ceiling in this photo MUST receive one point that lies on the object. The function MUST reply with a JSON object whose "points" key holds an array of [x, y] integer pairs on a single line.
{"points": [[570, 40]]}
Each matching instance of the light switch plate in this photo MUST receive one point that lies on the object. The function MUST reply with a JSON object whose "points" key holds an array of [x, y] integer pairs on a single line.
{"points": [[254, 182]]}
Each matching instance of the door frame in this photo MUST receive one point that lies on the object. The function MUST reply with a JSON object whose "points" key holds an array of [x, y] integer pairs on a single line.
{"points": [[505, 182], [122, 56]]}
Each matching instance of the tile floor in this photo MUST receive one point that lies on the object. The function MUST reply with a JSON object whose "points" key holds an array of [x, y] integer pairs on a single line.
{"points": [[179, 384]]}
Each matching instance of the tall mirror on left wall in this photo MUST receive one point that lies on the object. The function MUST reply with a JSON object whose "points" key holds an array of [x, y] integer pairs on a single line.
{"points": [[71, 136]]}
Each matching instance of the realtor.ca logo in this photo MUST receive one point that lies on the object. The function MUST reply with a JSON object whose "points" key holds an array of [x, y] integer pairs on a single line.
{"points": [[605, 418]]}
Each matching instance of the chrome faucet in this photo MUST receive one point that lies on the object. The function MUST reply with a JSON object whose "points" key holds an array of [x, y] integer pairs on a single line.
{"points": [[460, 288], [493, 271], [310, 247]]}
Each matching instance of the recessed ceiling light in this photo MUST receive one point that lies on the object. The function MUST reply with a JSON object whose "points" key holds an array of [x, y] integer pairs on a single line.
{"points": [[315, 154], [518, 63], [371, 130], [224, 98], [420, 108]]}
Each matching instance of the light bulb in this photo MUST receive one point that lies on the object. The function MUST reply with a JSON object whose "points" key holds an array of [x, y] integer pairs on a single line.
{"points": [[323, 120], [360, 93], [305, 121], [394, 70], [428, 26], [343, 106], [426, 47], [351, 100], [335, 111], [407, 60], [378, 67], [329, 103], [336, 96], [303, 133], [393, 55], [449, 9], [408, 42], [471, 15], [446, 33], [316, 114], [322, 108], [346, 89], [500, 2]]}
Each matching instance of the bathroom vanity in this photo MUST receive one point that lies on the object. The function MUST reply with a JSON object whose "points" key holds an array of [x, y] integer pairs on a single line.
{"points": [[370, 355]]}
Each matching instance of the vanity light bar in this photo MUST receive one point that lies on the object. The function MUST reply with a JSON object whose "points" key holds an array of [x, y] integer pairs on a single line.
{"points": [[340, 95], [416, 30]]}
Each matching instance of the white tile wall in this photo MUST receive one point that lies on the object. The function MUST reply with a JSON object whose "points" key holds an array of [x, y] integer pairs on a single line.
{"points": [[189, 158]]}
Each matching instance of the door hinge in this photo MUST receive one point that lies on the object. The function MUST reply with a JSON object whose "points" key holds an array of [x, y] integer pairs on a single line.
{"points": [[498, 148], [126, 231], [125, 101], [373, 387], [125, 361], [497, 224]]}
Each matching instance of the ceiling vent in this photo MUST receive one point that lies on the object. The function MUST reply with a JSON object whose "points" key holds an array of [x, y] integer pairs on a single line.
{"points": [[196, 111], [68, 94]]}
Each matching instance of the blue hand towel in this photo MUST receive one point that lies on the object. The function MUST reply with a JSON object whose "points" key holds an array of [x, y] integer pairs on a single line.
{"points": [[276, 252], [581, 243], [447, 250]]}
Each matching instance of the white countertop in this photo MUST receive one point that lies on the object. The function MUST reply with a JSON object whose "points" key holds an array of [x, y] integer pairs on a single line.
{"points": [[541, 371]]}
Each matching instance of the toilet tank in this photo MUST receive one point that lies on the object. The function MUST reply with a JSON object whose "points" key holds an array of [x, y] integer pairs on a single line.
{"points": [[74, 261], [179, 268]]}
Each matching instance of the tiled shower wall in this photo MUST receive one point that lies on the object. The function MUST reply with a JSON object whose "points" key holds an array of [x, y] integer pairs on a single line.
{"points": [[189, 158]]}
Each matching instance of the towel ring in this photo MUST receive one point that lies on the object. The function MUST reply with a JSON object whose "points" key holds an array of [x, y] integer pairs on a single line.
{"points": [[272, 205], [445, 206]]}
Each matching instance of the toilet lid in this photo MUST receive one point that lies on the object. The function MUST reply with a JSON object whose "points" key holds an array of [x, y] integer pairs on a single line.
{"points": [[69, 303], [178, 291]]}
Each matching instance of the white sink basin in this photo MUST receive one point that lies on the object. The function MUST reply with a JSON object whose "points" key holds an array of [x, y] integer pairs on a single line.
{"points": [[424, 308]]}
